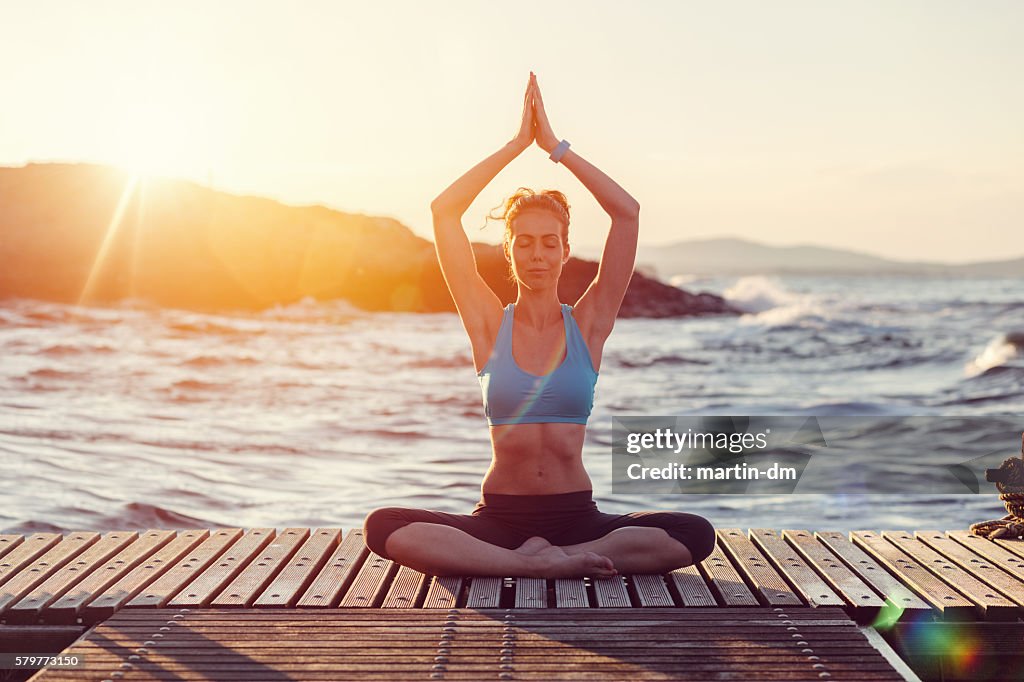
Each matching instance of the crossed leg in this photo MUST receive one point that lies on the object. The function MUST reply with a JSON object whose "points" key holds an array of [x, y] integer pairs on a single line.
{"points": [[647, 542], [437, 549], [449, 544]]}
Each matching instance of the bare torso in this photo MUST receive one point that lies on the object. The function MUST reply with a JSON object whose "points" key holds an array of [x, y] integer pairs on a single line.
{"points": [[536, 459]]}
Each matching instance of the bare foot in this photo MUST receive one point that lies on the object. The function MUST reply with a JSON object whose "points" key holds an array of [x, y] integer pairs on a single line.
{"points": [[553, 562], [533, 545]]}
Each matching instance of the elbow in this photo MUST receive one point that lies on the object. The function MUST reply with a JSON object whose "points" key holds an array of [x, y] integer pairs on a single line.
{"points": [[437, 206], [441, 208], [629, 210]]}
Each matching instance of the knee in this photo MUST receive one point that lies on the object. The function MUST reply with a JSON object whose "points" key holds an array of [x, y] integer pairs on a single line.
{"points": [[695, 532], [379, 525]]}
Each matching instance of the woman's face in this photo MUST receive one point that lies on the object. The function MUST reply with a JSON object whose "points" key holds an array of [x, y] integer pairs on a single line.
{"points": [[538, 250]]}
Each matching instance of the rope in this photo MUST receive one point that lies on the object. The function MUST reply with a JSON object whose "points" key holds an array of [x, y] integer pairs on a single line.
{"points": [[1010, 483]]}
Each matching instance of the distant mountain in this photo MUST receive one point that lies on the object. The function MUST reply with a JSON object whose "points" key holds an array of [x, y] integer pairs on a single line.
{"points": [[740, 257], [87, 233]]}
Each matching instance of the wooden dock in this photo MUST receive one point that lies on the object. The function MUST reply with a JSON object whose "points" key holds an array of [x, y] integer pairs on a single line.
{"points": [[317, 604]]}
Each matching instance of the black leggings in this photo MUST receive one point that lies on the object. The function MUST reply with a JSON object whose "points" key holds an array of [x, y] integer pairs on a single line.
{"points": [[564, 519]]}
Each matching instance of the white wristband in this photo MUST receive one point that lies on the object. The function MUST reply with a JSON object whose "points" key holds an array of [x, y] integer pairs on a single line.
{"points": [[560, 151]]}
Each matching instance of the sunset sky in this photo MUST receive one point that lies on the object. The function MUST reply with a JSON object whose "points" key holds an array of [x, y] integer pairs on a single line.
{"points": [[890, 128]]}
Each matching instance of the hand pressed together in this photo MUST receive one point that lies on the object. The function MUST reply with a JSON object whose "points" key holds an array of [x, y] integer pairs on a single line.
{"points": [[535, 126], [528, 126], [545, 137]]}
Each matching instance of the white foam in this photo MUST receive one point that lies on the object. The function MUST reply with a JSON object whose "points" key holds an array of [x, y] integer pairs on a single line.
{"points": [[679, 280], [999, 351], [756, 294], [769, 303]]}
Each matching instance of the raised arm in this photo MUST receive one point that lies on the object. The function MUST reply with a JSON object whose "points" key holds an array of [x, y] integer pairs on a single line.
{"points": [[478, 307], [600, 303]]}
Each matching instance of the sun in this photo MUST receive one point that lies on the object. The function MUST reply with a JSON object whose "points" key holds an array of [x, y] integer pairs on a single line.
{"points": [[151, 141], [150, 145]]}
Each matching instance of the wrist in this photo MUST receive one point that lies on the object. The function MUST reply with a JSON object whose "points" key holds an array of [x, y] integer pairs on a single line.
{"points": [[559, 151]]}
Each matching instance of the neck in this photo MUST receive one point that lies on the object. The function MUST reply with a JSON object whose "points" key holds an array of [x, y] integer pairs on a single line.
{"points": [[538, 309]]}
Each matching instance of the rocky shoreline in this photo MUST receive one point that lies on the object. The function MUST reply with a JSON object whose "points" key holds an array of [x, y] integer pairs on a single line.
{"points": [[86, 233]]}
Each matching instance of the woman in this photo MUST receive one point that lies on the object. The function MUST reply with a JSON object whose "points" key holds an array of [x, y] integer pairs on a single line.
{"points": [[536, 516]]}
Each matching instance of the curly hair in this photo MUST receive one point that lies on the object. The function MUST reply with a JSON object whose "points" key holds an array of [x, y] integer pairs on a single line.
{"points": [[525, 199]]}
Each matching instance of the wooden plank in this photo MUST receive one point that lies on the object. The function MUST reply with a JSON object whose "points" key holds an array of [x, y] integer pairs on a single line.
{"points": [[637, 673], [540, 644], [405, 591], [66, 608], [94, 608], [371, 583], [947, 601], [160, 591], [690, 588], [44, 566], [32, 604], [993, 605], [254, 577], [25, 553], [35, 639], [571, 593], [547, 668], [864, 603], [611, 592], [9, 542], [296, 577], [1008, 561], [531, 593], [726, 583], [905, 602], [649, 590], [340, 570], [770, 588], [443, 593], [811, 587], [822, 615], [207, 585], [991, 573], [484, 593], [1012, 546]]}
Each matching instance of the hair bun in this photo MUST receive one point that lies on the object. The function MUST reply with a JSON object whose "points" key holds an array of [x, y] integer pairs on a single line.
{"points": [[525, 198]]}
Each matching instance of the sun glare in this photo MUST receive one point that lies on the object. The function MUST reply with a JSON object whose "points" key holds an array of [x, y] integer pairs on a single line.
{"points": [[109, 238], [152, 143]]}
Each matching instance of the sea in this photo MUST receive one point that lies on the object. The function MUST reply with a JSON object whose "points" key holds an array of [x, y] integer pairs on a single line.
{"points": [[133, 416]]}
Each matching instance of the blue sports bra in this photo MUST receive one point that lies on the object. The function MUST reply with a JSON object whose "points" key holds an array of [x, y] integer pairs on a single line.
{"points": [[513, 396]]}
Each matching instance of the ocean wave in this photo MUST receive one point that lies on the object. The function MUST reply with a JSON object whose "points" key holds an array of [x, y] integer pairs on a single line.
{"points": [[142, 515], [205, 361], [768, 303], [51, 373], [451, 362], [61, 350], [34, 526], [757, 294], [196, 385], [309, 310], [999, 352], [208, 327], [1002, 371], [852, 408], [669, 359]]}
